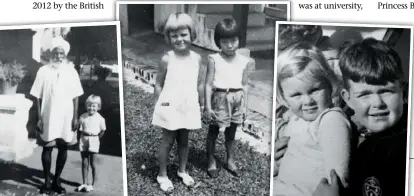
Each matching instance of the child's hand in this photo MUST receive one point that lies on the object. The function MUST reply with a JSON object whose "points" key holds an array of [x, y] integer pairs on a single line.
{"points": [[40, 126], [208, 113], [280, 149], [326, 189], [101, 134]]}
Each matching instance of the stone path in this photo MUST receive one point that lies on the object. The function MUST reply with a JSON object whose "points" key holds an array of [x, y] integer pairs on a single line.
{"points": [[25, 176]]}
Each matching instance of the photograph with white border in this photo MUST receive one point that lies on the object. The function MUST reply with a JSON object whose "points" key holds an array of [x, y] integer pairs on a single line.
{"points": [[199, 74], [61, 109], [342, 109]]}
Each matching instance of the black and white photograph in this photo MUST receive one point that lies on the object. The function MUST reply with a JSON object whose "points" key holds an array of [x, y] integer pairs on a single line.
{"points": [[342, 109], [198, 91], [60, 109]]}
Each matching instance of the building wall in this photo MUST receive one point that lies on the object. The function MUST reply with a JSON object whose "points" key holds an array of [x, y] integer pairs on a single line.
{"points": [[226, 8]]}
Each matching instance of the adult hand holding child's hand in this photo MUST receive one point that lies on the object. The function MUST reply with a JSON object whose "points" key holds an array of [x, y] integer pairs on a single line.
{"points": [[75, 124], [280, 149], [40, 126]]}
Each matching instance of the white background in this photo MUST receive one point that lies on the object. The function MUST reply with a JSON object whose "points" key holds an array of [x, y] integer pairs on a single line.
{"points": [[18, 12]]}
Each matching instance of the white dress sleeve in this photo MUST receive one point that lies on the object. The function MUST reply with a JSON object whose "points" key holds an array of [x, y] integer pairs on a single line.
{"points": [[335, 140], [37, 87]]}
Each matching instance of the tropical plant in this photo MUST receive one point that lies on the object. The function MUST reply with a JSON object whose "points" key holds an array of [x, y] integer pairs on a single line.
{"points": [[11, 72]]}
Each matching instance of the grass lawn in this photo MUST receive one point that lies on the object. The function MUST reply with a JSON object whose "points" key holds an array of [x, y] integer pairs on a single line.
{"points": [[142, 143]]}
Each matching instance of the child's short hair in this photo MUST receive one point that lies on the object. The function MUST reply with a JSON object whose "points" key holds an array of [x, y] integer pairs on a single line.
{"points": [[94, 99], [371, 61], [290, 34], [297, 58], [226, 28], [179, 21]]}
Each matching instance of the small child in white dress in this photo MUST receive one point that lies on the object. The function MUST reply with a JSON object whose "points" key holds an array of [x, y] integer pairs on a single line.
{"points": [[319, 132], [91, 127], [177, 107]]}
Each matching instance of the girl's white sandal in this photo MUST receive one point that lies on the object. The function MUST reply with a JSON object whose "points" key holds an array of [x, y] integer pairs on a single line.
{"points": [[187, 179], [165, 184], [81, 187]]}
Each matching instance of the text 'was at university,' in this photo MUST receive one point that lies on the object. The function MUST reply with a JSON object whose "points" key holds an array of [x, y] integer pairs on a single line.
{"points": [[68, 5], [331, 6]]}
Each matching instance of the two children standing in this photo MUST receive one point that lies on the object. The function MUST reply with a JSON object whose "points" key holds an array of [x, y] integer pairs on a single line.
{"points": [[178, 107]]}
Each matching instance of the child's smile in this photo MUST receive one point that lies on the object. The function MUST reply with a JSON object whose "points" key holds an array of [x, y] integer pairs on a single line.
{"points": [[306, 98], [180, 39], [92, 108], [377, 107]]}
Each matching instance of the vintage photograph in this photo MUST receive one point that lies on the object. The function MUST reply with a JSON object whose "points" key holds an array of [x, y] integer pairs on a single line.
{"points": [[342, 109], [60, 111], [198, 87]]}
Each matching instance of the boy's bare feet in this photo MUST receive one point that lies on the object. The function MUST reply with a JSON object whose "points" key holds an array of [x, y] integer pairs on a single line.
{"points": [[212, 170], [232, 168]]}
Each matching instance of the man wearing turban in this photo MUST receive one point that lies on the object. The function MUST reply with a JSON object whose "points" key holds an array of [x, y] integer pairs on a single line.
{"points": [[57, 88]]}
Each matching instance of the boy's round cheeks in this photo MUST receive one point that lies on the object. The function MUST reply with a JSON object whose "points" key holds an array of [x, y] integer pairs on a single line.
{"points": [[377, 107]]}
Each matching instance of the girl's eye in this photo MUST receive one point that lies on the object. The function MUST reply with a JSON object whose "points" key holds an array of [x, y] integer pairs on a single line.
{"points": [[295, 95]]}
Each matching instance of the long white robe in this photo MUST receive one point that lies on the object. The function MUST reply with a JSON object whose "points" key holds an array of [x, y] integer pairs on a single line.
{"points": [[57, 87]]}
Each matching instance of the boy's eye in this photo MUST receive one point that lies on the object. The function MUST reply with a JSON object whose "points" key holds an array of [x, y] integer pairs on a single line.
{"points": [[315, 89], [387, 91], [362, 95]]}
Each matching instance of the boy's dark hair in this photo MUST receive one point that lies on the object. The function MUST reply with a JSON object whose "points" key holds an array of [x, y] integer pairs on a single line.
{"points": [[371, 61], [226, 28]]}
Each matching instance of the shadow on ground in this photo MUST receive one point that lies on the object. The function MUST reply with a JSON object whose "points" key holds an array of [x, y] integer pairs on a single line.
{"points": [[24, 175]]}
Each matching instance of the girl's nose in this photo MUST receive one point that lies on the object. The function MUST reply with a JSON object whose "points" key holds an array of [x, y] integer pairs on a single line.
{"points": [[307, 100]]}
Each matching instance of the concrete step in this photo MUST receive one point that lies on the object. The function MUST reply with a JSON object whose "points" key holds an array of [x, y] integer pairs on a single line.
{"points": [[277, 13], [262, 33]]}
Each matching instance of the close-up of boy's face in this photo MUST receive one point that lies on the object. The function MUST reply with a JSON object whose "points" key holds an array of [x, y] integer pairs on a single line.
{"points": [[58, 55], [180, 39], [92, 108], [229, 45], [377, 107]]}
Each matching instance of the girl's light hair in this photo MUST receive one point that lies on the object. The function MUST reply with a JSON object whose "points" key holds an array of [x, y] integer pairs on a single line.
{"points": [[179, 21], [296, 59], [94, 99]]}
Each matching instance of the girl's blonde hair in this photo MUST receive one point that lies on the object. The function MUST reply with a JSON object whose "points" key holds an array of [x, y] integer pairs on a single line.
{"points": [[296, 59], [94, 99], [178, 21]]}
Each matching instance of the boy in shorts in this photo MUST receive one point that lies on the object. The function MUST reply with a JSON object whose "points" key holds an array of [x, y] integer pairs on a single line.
{"points": [[372, 75], [226, 92], [92, 127]]}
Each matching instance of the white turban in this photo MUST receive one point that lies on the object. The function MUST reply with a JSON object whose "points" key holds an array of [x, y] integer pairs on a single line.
{"points": [[59, 42]]}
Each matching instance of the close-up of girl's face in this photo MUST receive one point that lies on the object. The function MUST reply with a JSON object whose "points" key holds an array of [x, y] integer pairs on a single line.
{"points": [[58, 55], [305, 96], [229, 45], [180, 39]]}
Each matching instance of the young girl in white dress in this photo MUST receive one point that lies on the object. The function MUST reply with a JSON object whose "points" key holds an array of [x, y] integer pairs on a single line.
{"points": [[319, 132], [177, 107]]}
